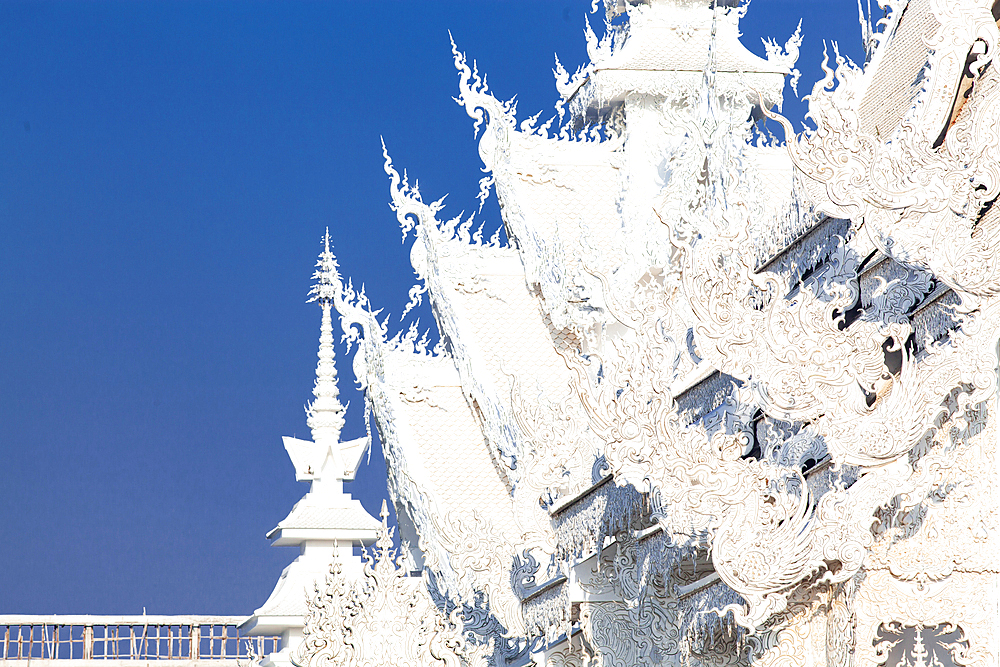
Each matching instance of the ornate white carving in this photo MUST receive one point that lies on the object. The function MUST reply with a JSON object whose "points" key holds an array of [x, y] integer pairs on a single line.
{"points": [[385, 619], [920, 202], [883, 601]]}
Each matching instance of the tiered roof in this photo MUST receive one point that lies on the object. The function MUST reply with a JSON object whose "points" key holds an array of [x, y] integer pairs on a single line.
{"points": [[667, 406], [467, 467]]}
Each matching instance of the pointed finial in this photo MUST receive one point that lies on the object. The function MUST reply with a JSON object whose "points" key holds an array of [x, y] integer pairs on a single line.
{"points": [[383, 540], [325, 415]]}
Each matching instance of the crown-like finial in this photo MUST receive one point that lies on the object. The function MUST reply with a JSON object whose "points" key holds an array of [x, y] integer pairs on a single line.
{"points": [[325, 415], [327, 277]]}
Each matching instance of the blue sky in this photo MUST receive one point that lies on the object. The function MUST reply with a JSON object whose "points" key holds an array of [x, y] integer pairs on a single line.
{"points": [[166, 172]]}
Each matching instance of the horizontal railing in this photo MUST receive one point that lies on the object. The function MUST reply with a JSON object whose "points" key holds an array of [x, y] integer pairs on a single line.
{"points": [[129, 638]]}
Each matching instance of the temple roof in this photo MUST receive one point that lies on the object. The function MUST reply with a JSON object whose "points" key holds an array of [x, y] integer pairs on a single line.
{"points": [[896, 73], [288, 599], [318, 518], [503, 320], [457, 466], [446, 480], [562, 188]]}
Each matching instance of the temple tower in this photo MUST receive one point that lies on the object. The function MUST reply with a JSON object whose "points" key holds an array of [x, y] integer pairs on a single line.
{"points": [[326, 519]]}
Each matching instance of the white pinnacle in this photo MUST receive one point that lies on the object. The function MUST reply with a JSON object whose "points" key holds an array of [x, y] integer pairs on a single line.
{"points": [[325, 415]]}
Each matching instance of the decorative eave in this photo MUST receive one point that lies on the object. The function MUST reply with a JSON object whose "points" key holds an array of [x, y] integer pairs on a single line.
{"points": [[583, 520]]}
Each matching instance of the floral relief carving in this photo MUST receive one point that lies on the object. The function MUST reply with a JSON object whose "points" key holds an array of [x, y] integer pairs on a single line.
{"points": [[887, 603], [913, 646]]}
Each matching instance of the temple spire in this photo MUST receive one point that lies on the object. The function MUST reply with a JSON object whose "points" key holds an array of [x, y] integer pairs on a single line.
{"points": [[325, 415]]}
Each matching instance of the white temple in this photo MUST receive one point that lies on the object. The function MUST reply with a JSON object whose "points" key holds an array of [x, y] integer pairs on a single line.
{"points": [[721, 400]]}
